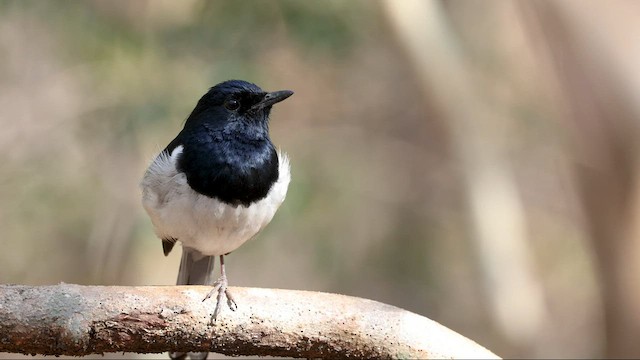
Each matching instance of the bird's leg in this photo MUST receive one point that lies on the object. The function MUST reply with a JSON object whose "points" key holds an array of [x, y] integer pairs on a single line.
{"points": [[223, 287], [220, 286]]}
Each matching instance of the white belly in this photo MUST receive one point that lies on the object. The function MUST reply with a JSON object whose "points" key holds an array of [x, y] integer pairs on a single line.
{"points": [[200, 222]]}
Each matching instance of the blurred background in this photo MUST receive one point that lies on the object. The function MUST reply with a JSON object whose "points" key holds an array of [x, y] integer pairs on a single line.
{"points": [[475, 162]]}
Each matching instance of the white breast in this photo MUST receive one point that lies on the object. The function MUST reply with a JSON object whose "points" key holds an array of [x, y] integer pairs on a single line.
{"points": [[200, 222]]}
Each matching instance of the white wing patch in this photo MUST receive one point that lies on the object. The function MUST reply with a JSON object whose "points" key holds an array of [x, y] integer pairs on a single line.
{"points": [[200, 222]]}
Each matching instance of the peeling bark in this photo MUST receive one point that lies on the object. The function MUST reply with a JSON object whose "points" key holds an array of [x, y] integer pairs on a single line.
{"points": [[68, 319]]}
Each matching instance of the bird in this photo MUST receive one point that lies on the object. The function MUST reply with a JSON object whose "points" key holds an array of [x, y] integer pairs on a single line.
{"points": [[217, 184]]}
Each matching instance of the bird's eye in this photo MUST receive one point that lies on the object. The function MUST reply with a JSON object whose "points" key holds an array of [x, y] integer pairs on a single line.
{"points": [[232, 104]]}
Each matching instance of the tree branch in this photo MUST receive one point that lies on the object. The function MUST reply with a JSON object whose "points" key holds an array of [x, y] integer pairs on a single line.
{"points": [[78, 320]]}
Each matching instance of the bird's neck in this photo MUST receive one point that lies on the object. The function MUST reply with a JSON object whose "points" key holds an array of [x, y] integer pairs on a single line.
{"points": [[236, 167]]}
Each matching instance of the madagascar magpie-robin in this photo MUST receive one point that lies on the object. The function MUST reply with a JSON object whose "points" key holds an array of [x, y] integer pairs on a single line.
{"points": [[218, 183]]}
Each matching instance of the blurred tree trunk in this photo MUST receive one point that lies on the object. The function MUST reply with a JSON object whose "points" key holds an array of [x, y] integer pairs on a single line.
{"points": [[598, 78], [496, 212]]}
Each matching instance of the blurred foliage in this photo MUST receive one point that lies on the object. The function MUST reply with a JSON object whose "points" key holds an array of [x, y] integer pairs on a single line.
{"points": [[381, 204]]}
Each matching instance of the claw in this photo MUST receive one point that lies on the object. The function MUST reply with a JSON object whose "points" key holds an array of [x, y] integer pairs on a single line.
{"points": [[216, 286], [230, 301], [220, 287]]}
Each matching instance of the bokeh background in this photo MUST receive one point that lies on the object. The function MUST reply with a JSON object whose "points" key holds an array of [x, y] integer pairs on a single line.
{"points": [[475, 162]]}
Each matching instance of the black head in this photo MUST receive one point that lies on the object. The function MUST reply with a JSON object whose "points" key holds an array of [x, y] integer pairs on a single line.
{"points": [[236, 101]]}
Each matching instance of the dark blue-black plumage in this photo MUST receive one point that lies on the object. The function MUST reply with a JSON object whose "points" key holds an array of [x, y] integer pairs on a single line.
{"points": [[227, 153]]}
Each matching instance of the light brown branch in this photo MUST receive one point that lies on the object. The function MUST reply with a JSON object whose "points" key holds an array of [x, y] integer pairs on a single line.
{"points": [[78, 320]]}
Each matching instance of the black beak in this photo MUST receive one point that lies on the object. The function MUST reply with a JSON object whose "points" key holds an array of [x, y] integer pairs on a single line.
{"points": [[272, 98]]}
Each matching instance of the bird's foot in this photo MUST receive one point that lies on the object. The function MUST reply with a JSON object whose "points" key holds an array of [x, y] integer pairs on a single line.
{"points": [[220, 286]]}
